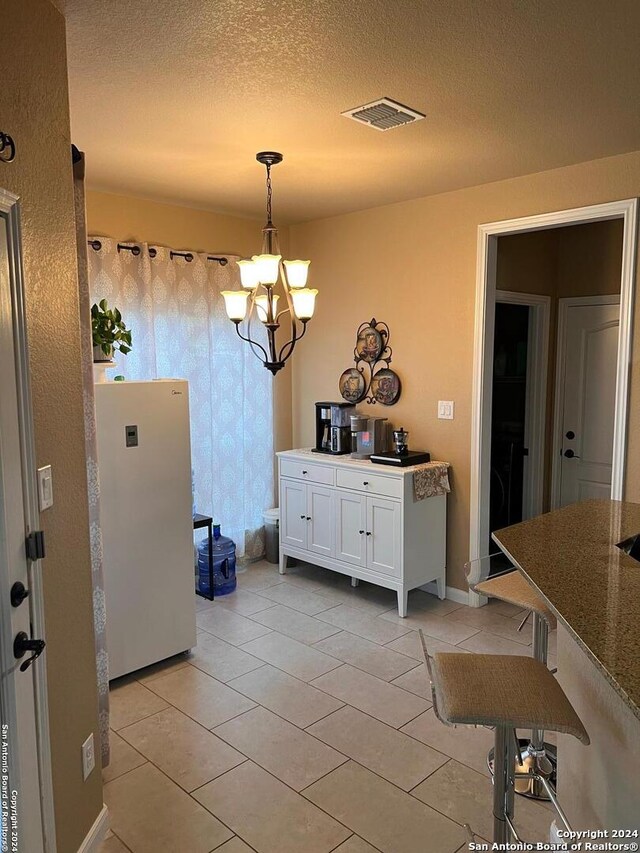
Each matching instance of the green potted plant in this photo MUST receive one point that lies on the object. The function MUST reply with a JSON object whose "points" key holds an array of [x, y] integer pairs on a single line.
{"points": [[109, 332]]}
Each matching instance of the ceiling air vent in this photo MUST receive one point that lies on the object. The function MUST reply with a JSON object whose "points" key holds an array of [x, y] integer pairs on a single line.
{"points": [[383, 114]]}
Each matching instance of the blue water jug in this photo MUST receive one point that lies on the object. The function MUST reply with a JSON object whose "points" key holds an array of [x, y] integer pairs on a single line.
{"points": [[224, 564]]}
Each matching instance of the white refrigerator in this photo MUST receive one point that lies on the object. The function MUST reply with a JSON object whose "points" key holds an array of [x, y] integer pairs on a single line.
{"points": [[144, 460]]}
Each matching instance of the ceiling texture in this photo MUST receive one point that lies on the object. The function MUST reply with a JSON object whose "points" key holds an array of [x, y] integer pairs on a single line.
{"points": [[171, 99]]}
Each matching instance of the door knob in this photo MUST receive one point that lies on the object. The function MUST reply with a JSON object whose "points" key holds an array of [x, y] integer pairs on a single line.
{"points": [[308, 518], [368, 533], [570, 454], [18, 594], [570, 434], [360, 532], [23, 644], [303, 517]]}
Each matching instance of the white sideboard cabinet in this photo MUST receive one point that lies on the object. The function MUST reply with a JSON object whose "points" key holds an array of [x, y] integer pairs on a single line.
{"points": [[362, 520]]}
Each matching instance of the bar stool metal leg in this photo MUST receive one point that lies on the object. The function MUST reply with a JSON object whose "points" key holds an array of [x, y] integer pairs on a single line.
{"points": [[503, 784], [537, 756]]}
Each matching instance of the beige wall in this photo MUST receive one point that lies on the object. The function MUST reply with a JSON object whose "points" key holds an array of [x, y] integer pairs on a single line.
{"points": [[578, 260], [413, 265], [34, 109], [140, 220]]}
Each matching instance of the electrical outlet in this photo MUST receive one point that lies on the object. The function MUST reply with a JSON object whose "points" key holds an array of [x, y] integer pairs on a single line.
{"points": [[88, 757], [445, 410]]}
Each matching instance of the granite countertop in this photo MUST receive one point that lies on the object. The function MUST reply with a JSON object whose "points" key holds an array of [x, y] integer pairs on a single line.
{"points": [[593, 587]]}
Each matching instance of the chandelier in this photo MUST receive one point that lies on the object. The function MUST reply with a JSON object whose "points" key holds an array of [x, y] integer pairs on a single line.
{"points": [[258, 300]]}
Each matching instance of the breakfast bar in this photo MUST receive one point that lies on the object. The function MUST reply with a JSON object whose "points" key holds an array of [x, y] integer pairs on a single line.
{"points": [[581, 561]]}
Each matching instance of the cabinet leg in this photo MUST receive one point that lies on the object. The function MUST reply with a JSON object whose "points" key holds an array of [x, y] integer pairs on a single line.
{"points": [[355, 581], [441, 587], [283, 564], [403, 597]]}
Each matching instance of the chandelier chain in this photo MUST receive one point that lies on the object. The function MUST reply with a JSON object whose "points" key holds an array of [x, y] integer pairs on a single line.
{"points": [[269, 191]]}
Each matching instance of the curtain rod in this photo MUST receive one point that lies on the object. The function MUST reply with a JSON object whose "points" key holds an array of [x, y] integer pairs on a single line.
{"points": [[96, 245]]}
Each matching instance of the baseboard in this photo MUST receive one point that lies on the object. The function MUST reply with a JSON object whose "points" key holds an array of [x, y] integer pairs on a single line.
{"points": [[96, 834], [452, 593]]}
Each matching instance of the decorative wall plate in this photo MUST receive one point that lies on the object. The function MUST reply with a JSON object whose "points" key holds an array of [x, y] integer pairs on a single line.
{"points": [[352, 385], [369, 344], [385, 386], [371, 379]]}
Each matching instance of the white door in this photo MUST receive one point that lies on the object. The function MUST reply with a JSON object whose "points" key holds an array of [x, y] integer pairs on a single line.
{"points": [[320, 520], [18, 733], [383, 536], [351, 521], [293, 521], [590, 347]]}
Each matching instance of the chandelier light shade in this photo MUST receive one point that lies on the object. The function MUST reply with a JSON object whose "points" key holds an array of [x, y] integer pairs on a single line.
{"points": [[259, 276]]}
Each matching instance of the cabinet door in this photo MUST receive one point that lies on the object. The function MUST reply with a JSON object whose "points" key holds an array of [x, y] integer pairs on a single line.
{"points": [[293, 513], [383, 536], [320, 520], [351, 528]]}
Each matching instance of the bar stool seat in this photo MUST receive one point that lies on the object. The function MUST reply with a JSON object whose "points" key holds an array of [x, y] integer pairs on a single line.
{"points": [[514, 589], [506, 690]]}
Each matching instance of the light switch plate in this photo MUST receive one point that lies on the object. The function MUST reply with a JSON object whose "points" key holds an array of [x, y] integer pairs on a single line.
{"points": [[88, 757], [445, 409], [45, 487]]}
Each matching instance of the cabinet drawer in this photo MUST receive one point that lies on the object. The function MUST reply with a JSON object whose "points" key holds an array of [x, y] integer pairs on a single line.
{"points": [[305, 471], [363, 481]]}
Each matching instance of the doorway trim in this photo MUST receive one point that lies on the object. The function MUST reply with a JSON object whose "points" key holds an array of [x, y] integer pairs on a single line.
{"points": [[536, 392], [487, 245], [564, 303]]}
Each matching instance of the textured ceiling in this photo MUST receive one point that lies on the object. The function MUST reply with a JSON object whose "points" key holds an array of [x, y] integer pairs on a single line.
{"points": [[172, 98]]}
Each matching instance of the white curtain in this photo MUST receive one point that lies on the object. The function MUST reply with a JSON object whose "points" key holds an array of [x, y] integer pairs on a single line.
{"points": [[180, 330]]}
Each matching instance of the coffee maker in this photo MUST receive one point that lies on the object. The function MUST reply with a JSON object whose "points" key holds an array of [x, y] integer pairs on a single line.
{"points": [[333, 434], [368, 436]]}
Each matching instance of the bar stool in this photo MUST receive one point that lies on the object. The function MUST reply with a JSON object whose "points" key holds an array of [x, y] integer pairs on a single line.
{"points": [[504, 692], [541, 757]]}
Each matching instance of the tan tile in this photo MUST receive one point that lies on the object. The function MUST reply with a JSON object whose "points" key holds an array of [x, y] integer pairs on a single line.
{"points": [[202, 603], [372, 695], [130, 702], [410, 645], [228, 626], [488, 619], [440, 627], [366, 597], [268, 815], [236, 845], [492, 644], [466, 797], [200, 696], [122, 758], [243, 601], [291, 656], [386, 751], [415, 681], [382, 814], [507, 609], [286, 696], [112, 844], [355, 845], [221, 660], [467, 744], [293, 756], [363, 654], [184, 750], [370, 627], [149, 813], [292, 623], [299, 599], [260, 575], [162, 668]]}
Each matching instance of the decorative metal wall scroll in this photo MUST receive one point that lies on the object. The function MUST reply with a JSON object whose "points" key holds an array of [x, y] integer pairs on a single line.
{"points": [[7, 148], [371, 379]]}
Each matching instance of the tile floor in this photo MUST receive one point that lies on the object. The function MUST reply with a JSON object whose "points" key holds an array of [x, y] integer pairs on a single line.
{"points": [[302, 723]]}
